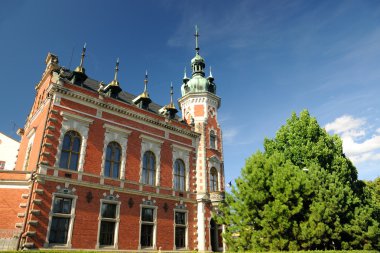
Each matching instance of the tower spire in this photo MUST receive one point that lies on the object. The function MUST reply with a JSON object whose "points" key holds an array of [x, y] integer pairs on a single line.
{"points": [[196, 40]]}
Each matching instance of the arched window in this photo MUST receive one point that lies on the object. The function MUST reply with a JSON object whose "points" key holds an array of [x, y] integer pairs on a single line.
{"points": [[149, 168], [213, 180], [212, 139], [113, 156], [179, 175], [70, 151]]}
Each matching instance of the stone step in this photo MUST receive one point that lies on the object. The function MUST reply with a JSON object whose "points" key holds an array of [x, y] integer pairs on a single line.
{"points": [[28, 245], [39, 191], [33, 223], [37, 201], [35, 212]]}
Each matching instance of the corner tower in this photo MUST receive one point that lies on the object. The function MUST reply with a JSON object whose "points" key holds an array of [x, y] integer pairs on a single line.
{"points": [[199, 105]]}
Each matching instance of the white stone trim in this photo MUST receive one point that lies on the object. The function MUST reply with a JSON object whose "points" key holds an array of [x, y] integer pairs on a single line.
{"points": [[71, 216], [119, 135], [30, 136], [184, 155], [67, 115], [79, 124], [201, 226], [116, 220], [154, 247], [214, 162], [151, 144]]}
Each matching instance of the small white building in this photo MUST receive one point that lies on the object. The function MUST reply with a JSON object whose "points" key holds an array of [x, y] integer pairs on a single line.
{"points": [[8, 152]]}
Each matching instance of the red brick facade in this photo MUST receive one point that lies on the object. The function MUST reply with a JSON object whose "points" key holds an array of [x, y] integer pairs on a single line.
{"points": [[29, 195]]}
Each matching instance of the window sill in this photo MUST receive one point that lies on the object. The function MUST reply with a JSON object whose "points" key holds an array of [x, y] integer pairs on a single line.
{"points": [[57, 246]]}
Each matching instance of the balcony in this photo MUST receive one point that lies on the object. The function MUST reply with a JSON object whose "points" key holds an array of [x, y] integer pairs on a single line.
{"points": [[216, 197]]}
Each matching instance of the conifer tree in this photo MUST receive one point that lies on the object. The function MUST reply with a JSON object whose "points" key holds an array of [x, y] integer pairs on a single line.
{"points": [[302, 192]]}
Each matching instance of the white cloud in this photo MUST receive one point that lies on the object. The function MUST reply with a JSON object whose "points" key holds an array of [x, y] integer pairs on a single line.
{"points": [[350, 129], [344, 124]]}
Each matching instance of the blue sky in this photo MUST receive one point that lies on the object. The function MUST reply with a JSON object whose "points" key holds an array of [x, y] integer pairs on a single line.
{"points": [[269, 59]]}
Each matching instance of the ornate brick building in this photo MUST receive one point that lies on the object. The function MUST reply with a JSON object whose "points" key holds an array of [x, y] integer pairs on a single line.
{"points": [[99, 168]]}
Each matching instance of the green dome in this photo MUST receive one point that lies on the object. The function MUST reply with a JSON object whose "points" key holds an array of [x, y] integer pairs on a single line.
{"points": [[198, 84]]}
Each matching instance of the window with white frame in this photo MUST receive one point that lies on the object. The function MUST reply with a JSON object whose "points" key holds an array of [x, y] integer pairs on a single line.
{"points": [[30, 136], [148, 227], [179, 175], [113, 157], [75, 124], [109, 220], [61, 219], [114, 151], [214, 180], [2, 165], [181, 164], [149, 168], [180, 221], [150, 160]]}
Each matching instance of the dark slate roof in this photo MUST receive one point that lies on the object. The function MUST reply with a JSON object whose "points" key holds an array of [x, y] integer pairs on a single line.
{"points": [[123, 96]]}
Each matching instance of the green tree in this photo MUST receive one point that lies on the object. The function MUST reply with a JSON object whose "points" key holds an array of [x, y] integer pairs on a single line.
{"points": [[300, 193]]}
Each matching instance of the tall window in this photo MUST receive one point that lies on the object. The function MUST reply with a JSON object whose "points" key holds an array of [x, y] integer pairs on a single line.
{"points": [[149, 168], [180, 229], [113, 156], [213, 180], [70, 151], [179, 175], [108, 219], [147, 227], [212, 139], [60, 222]]}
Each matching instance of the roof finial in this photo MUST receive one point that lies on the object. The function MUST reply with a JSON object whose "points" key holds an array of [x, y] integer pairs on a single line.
{"points": [[80, 68], [210, 72], [146, 81], [83, 55], [184, 74], [116, 68], [196, 39], [171, 93]]}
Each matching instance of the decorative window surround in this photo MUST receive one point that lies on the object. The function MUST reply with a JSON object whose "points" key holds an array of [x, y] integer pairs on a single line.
{"points": [[149, 143], [119, 135], [30, 136], [62, 193], [109, 199], [182, 153], [214, 162], [75, 123], [149, 204], [213, 138]]}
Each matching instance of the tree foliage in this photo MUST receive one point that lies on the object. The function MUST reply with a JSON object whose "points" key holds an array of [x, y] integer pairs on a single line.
{"points": [[300, 193]]}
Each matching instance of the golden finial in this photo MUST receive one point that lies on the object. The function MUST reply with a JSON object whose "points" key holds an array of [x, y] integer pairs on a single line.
{"points": [[80, 68], [115, 82], [145, 94]]}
